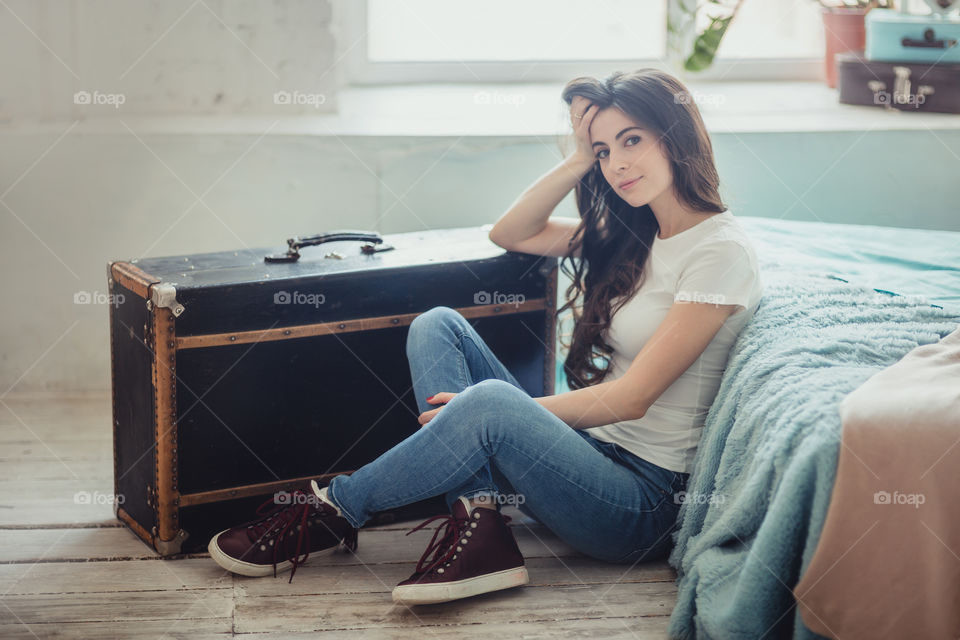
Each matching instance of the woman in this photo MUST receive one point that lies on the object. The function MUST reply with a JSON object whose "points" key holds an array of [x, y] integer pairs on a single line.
{"points": [[667, 280]]}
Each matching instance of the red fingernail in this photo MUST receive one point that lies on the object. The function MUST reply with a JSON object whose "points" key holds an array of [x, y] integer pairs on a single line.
{"points": [[431, 397]]}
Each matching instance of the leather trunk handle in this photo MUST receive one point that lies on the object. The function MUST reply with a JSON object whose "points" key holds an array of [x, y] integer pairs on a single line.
{"points": [[370, 238]]}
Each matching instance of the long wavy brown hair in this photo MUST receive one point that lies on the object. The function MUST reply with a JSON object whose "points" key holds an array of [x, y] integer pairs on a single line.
{"points": [[614, 237]]}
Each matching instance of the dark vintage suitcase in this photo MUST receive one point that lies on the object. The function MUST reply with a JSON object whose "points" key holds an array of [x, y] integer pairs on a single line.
{"points": [[907, 86], [235, 377]]}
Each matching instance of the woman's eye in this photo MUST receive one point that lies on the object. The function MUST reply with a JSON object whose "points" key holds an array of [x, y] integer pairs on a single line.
{"points": [[636, 138], [602, 154]]}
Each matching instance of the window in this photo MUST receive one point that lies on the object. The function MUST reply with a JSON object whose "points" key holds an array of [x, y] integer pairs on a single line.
{"points": [[784, 29], [400, 41], [511, 30]]}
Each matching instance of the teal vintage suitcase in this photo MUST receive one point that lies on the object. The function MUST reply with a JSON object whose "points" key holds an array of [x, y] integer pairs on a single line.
{"points": [[894, 36]]}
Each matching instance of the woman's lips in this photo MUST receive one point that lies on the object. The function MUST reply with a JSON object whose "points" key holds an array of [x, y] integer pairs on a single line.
{"points": [[626, 185]]}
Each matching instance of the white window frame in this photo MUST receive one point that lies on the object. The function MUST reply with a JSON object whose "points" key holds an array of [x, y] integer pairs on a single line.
{"points": [[352, 44]]}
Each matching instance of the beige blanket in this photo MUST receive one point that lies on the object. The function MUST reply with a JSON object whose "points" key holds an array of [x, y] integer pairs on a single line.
{"points": [[888, 561]]}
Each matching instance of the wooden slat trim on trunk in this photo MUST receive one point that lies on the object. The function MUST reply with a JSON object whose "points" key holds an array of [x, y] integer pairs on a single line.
{"points": [[550, 352], [218, 495], [133, 278], [135, 526], [345, 326], [165, 407], [114, 389]]}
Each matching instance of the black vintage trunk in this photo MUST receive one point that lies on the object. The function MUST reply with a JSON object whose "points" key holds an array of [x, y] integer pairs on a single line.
{"points": [[235, 378]]}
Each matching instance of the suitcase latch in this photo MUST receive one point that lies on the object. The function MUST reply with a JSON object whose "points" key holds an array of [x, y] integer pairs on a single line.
{"points": [[902, 86], [164, 296]]}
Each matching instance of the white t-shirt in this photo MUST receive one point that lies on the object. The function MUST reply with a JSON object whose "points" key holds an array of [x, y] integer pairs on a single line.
{"points": [[714, 262]]}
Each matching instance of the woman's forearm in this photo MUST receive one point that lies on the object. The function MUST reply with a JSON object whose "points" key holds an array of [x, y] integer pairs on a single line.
{"points": [[595, 406], [528, 215]]}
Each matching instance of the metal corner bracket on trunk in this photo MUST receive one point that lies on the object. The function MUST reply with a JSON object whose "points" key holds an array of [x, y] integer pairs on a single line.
{"points": [[164, 296]]}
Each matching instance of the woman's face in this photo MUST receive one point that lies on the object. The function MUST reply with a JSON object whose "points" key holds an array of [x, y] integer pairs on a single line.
{"points": [[630, 157]]}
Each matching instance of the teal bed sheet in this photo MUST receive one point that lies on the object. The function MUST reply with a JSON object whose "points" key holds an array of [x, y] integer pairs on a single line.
{"points": [[918, 263]]}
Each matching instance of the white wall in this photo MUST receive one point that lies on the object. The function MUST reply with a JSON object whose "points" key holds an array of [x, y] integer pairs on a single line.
{"points": [[163, 57], [71, 200]]}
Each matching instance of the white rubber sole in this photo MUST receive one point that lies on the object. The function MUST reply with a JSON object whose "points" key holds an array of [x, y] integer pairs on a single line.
{"points": [[433, 593], [257, 570]]}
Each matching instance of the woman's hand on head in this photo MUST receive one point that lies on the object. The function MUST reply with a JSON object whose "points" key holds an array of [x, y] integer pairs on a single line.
{"points": [[580, 106], [442, 399]]}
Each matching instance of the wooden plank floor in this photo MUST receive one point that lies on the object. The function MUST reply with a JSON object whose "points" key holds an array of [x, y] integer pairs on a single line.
{"points": [[68, 569]]}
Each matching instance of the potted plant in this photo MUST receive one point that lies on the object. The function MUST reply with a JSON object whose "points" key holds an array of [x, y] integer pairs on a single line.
{"points": [[689, 49], [843, 25]]}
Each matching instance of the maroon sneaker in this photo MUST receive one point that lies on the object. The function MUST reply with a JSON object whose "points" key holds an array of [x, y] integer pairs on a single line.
{"points": [[476, 554], [283, 538]]}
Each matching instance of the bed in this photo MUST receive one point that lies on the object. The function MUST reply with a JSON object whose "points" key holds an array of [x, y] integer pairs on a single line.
{"points": [[842, 302]]}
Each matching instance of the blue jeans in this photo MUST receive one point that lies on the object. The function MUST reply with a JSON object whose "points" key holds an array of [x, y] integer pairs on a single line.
{"points": [[494, 438]]}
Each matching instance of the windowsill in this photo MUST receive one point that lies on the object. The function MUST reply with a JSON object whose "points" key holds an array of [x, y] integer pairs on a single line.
{"points": [[519, 110]]}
